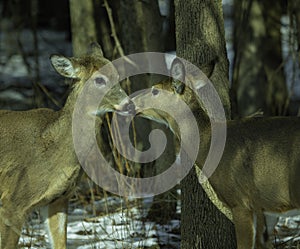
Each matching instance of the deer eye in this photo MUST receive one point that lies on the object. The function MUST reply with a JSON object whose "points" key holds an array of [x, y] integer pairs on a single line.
{"points": [[100, 81], [155, 92]]}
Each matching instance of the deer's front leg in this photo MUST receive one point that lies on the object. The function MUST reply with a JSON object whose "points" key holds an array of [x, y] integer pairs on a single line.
{"points": [[10, 228], [245, 227], [55, 215], [262, 239]]}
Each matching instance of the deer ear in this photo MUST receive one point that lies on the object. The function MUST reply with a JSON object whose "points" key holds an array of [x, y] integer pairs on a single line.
{"points": [[178, 75], [95, 48], [199, 83], [64, 66]]}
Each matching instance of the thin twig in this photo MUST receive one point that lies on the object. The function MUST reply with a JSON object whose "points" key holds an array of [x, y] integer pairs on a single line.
{"points": [[121, 52], [115, 152], [48, 94], [114, 34], [113, 29]]}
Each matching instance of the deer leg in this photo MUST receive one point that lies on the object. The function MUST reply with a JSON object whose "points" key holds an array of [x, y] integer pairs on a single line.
{"points": [[55, 215], [262, 240], [10, 228], [245, 227]]}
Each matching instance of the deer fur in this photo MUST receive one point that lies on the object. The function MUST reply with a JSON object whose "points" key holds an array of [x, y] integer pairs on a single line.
{"points": [[38, 164], [260, 167]]}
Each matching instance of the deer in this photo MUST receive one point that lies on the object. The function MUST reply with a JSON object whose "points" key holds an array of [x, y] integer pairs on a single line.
{"points": [[39, 167], [259, 171]]}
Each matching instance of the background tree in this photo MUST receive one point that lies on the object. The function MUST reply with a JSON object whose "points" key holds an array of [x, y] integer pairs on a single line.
{"points": [[142, 31], [200, 39], [258, 78], [82, 24], [294, 14]]}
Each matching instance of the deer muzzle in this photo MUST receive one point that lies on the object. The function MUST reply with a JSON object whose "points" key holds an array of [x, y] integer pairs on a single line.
{"points": [[126, 108]]}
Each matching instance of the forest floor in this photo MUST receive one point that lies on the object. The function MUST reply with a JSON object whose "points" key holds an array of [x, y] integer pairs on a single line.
{"points": [[116, 224]]}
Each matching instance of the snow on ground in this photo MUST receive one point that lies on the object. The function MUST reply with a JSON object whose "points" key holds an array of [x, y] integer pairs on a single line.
{"points": [[287, 229], [126, 228]]}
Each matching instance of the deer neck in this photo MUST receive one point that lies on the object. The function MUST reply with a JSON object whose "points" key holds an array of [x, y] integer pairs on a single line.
{"points": [[69, 106], [204, 127], [62, 126], [66, 119], [66, 114]]}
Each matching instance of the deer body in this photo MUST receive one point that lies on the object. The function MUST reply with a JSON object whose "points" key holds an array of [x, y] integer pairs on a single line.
{"points": [[259, 172], [25, 184], [38, 164], [263, 167], [260, 167]]}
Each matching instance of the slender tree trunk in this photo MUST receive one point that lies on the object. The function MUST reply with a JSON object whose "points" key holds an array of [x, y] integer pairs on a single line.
{"points": [[294, 10], [39, 97], [141, 26], [103, 28], [169, 25], [200, 39], [276, 96], [258, 79], [141, 31], [82, 25]]}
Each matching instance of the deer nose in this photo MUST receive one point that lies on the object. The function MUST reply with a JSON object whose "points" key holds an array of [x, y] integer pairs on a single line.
{"points": [[129, 107]]}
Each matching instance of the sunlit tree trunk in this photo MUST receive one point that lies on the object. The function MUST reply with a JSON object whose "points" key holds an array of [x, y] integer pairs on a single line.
{"points": [[200, 39]]}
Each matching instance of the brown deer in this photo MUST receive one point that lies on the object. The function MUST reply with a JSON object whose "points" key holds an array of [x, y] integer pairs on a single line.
{"points": [[38, 165], [260, 167]]}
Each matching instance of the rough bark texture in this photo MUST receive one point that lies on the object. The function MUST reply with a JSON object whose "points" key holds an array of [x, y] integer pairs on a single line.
{"points": [[258, 79], [141, 26], [200, 40]]}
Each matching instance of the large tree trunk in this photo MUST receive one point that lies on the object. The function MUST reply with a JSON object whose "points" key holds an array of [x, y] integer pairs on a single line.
{"points": [[258, 79], [200, 40]]}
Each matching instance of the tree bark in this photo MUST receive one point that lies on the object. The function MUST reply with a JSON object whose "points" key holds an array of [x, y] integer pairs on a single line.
{"points": [[200, 39], [141, 32], [142, 28]]}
